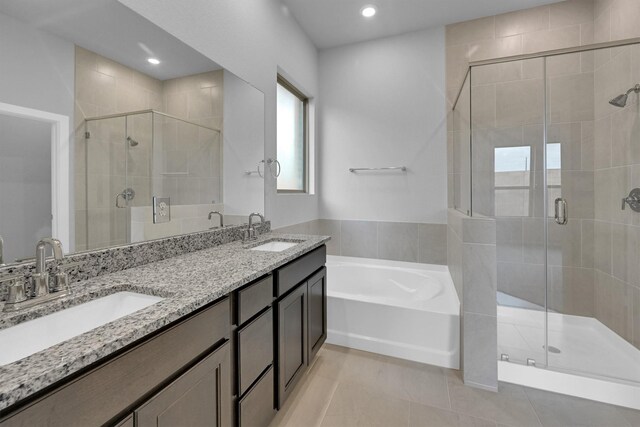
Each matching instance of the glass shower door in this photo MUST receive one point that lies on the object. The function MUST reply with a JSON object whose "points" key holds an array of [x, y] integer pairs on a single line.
{"points": [[105, 177], [508, 183], [593, 150]]}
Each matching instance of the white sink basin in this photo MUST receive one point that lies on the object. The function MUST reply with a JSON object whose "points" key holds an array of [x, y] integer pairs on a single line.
{"points": [[38, 334], [274, 246]]}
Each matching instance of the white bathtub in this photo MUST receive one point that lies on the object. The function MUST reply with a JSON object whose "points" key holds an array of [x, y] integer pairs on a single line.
{"points": [[399, 309]]}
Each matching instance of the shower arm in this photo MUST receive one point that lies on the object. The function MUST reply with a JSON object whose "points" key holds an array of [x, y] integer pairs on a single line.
{"points": [[635, 89]]}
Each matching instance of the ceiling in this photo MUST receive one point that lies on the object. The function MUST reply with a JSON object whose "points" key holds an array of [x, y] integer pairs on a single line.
{"points": [[332, 23], [111, 29]]}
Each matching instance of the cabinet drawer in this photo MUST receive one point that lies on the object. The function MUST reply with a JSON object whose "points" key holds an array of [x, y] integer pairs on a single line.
{"points": [[256, 409], [201, 396], [254, 298], [292, 274], [255, 350]]}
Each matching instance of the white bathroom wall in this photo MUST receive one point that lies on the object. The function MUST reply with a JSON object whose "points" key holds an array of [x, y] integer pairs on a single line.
{"points": [[250, 38], [383, 104]]}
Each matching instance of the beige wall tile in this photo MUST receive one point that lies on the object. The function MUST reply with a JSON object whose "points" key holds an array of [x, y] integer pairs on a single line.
{"points": [[558, 38], [519, 103], [509, 242], [571, 291], [614, 304], [636, 316], [432, 243], [571, 12], [495, 48], [398, 241], [522, 21], [470, 31], [359, 239], [625, 15]]}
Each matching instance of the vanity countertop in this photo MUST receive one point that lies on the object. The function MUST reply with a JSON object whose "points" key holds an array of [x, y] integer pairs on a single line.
{"points": [[187, 282]]}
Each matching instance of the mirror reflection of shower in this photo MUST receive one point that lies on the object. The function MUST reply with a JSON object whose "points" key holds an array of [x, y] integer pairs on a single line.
{"points": [[621, 100]]}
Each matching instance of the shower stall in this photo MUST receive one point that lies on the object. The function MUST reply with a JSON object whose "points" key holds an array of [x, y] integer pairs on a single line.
{"points": [[130, 158], [549, 145]]}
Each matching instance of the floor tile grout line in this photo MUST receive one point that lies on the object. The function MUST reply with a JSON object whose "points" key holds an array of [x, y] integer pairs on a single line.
{"points": [[524, 390]]}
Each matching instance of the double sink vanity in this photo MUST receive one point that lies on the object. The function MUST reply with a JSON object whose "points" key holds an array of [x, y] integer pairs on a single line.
{"points": [[218, 336]]}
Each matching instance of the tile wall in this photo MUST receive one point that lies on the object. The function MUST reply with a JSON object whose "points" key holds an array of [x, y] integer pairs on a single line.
{"points": [[616, 258], [592, 259], [472, 264], [397, 241], [187, 159]]}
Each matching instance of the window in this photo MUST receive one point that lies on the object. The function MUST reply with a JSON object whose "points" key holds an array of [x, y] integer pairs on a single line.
{"points": [[514, 180], [292, 138]]}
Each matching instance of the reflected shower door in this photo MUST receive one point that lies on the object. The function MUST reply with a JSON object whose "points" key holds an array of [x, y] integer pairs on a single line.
{"points": [[508, 183], [105, 178]]}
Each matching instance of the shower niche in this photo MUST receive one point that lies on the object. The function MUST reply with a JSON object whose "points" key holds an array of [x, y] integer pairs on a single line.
{"points": [[549, 146]]}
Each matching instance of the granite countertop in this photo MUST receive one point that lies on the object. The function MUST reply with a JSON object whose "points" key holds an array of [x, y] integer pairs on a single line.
{"points": [[187, 282]]}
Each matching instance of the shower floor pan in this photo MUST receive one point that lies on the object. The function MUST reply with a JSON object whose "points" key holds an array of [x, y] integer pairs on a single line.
{"points": [[599, 357]]}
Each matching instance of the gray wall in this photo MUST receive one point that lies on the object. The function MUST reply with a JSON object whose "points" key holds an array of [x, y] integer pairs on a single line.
{"points": [[25, 185]]}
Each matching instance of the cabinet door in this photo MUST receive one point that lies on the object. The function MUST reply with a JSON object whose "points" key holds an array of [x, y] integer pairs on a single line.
{"points": [[200, 397], [292, 340], [317, 307]]}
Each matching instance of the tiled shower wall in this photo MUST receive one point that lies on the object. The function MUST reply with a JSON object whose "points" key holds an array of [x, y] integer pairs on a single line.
{"points": [[397, 241], [106, 87], [617, 171]]}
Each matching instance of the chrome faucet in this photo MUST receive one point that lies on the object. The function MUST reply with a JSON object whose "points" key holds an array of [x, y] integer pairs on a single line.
{"points": [[41, 276], [250, 233], [211, 214], [18, 294]]}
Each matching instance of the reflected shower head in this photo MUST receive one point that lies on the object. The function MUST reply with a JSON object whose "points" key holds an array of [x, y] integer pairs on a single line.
{"points": [[621, 100], [132, 142]]}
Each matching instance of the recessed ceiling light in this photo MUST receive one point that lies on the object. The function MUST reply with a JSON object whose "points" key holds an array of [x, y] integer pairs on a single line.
{"points": [[368, 11], [153, 61]]}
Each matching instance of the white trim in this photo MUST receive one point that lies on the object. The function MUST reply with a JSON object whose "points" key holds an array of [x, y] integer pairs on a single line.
{"points": [[60, 180], [615, 393]]}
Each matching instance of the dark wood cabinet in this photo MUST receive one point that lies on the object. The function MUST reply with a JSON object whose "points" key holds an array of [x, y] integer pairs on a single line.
{"points": [[231, 363], [317, 311], [301, 318], [292, 340], [199, 397]]}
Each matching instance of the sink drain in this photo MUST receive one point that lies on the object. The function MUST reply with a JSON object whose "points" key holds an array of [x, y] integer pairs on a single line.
{"points": [[553, 349]]}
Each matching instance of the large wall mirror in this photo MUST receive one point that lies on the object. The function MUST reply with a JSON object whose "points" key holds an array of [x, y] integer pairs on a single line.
{"points": [[157, 135]]}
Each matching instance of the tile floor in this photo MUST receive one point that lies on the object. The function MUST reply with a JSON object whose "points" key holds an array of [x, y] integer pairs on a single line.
{"points": [[346, 387]]}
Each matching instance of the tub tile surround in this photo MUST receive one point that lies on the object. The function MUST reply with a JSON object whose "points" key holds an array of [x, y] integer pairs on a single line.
{"points": [[397, 241], [187, 281], [110, 260], [471, 259]]}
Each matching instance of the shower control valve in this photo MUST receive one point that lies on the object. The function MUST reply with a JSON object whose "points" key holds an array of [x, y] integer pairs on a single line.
{"points": [[633, 200]]}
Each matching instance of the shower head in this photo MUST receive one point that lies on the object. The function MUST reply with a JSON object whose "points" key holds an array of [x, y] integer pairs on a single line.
{"points": [[621, 100], [132, 142]]}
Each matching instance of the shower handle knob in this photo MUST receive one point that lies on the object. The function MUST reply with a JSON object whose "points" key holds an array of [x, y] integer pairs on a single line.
{"points": [[633, 200]]}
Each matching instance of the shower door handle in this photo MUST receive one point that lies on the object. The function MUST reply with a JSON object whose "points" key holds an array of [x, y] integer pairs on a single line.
{"points": [[561, 211]]}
